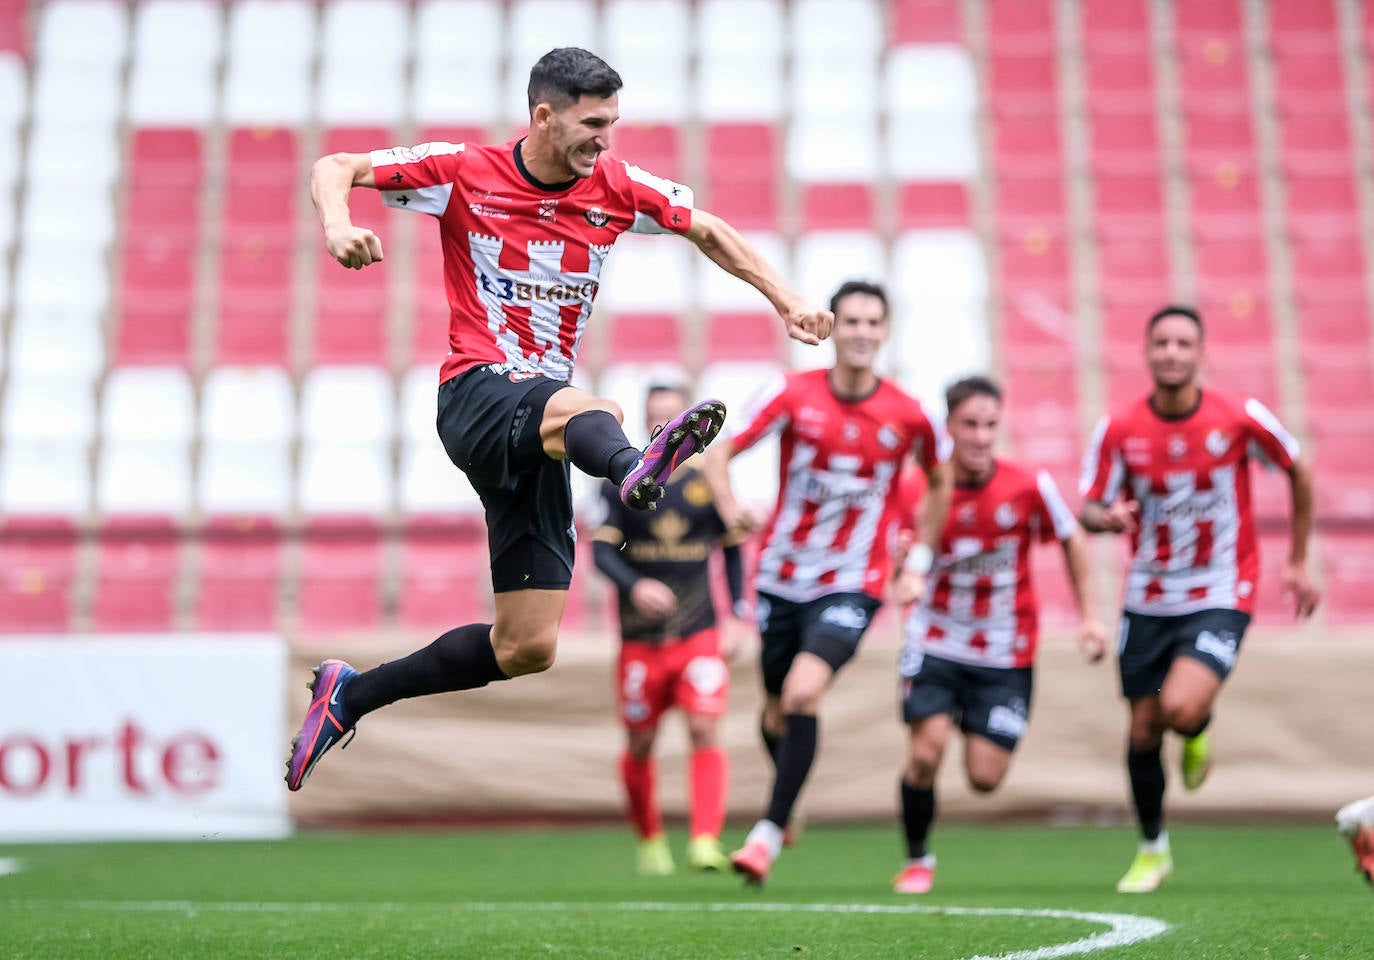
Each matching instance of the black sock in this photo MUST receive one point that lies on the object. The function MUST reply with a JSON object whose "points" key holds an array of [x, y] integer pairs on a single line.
{"points": [[771, 742], [1206, 722], [462, 659], [597, 446], [918, 813], [796, 753], [1147, 789]]}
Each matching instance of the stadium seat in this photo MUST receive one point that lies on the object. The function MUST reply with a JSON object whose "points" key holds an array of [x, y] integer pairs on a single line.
{"points": [[73, 32], [1116, 78], [644, 338], [740, 89], [1338, 378], [1328, 201], [536, 27], [41, 406], [744, 386], [1212, 71], [1123, 25], [1021, 26], [1348, 563], [656, 147], [1124, 141], [648, 275], [1032, 200], [833, 149], [1023, 81], [38, 564], [849, 86], [457, 77], [1315, 142], [756, 336], [1035, 321], [837, 206], [1326, 261], [927, 22], [240, 566], [825, 31], [932, 146], [718, 36], [340, 575], [932, 205], [1138, 265], [380, 52], [1306, 78], [253, 326], [429, 482], [176, 52], [1302, 25], [1033, 260], [242, 477], [741, 174], [825, 259], [14, 28], [1218, 132], [1026, 144], [246, 425], [1225, 192], [1245, 371], [44, 476], [156, 301], [926, 79], [722, 292], [1336, 324], [1204, 18], [445, 573], [346, 423], [271, 51], [138, 560], [1226, 255]]}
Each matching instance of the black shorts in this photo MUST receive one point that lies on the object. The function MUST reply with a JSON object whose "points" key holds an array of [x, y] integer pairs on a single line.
{"points": [[489, 423], [993, 702], [1148, 645], [829, 627]]}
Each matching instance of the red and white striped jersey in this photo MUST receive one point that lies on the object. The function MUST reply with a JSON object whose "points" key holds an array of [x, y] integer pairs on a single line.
{"points": [[837, 493], [980, 606], [1195, 549], [522, 259]]}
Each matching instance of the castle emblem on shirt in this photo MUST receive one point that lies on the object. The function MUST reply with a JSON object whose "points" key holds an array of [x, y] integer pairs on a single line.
{"points": [[596, 216], [1005, 516], [1217, 444]]}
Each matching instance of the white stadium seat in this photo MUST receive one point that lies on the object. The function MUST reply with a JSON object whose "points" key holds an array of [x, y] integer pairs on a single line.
{"points": [[656, 91], [627, 384], [721, 34], [67, 216], [347, 404], [270, 55], [82, 94], [739, 91], [638, 28], [944, 264], [430, 483], [848, 87], [419, 404], [363, 38], [536, 27], [174, 78], [456, 90], [649, 273], [45, 277], [74, 158], [247, 405], [14, 91], [345, 478], [836, 30], [55, 337], [72, 32], [922, 78], [57, 408], [833, 148], [932, 146], [244, 478], [467, 29], [824, 259], [148, 403], [723, 292], [44, 477], [743, 387], [143, 476]]}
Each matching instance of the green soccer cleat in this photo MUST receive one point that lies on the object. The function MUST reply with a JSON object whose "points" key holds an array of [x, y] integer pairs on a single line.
{"points": [[1147, 872], [1197, 760], [653, 857], [704, 853]]}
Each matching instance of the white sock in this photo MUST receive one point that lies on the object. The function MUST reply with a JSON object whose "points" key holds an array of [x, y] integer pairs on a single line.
{"points": [[927, 861], [769, 833], [1352, 816], [1159, 844]]}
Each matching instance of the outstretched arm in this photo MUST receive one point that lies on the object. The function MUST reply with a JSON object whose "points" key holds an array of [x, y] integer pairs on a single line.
{"points": [[715, 467], [331, 179], [729, 250], [1297, 582], [1119, 517]]}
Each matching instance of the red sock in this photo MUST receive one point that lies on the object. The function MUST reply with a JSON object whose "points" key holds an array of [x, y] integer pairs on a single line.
{"points": [[641, 793], [710, 774]]}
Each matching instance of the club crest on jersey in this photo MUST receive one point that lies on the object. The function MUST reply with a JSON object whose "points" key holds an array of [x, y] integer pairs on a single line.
{"points": [[1217, 443], [548, 210], [1005, 516], [966, 515], [697, 493], [1177, 447], [851, 432], [596, 216], [888, 437]]}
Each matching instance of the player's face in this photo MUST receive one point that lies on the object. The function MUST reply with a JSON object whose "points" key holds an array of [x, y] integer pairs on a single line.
{"points": [[580, 132], [1173, 350], [973, 428], [860, 330], [662, 406]]}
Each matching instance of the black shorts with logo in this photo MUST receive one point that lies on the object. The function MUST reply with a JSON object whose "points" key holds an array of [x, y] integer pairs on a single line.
{"points": [[829, 627], [488, 421], [1148, 645], [992, 702]]}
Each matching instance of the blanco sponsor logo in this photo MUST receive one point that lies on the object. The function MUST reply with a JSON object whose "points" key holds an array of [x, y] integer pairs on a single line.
{"points": [[1221, 648], [845, 615]]}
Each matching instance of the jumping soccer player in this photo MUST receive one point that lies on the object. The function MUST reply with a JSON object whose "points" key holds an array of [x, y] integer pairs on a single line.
{"points": [[1172, 472], [845, 434], [526, 227], [670, 651], [970, 643]]}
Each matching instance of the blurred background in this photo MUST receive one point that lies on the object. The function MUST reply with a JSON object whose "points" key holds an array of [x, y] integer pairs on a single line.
{"points": [[208, 426]]}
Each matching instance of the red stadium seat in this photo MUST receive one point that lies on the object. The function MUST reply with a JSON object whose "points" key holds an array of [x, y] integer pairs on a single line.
{"points": [[1124, 141], [1327, 201], [1030, 200], [933, 204], [1245, 371], [1023, 81], [1035, 321], [240, 566], [743, 336], [836, 206], [1026, 144], [1138, 265], [1021, 26], [1121, 24], [1042, 378], [1224, 132], [1224, 255], [137, 564], [1224, 191], [1212, 71], [340, 579], [1348, 563], [265, 157], [1033, 259], [1305, 78], [1202, 18], [155, 303], [1338, 378], [644, 338], [1315, 142], [253, 326], [654, 147], [749, 204], [166, 158], [1307, 25], [1330, 262], [1121, 79], [1344, 463], [742, 174], [927, 21], [14, 26], [1236, 311], [1128, 203], [38, 560], [1335, 323], [445, 574]]}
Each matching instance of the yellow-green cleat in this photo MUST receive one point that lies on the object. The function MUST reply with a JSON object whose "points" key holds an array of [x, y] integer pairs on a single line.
{"points": [[1147, 872], [1197, 760], [653, 858], [704, 853]]}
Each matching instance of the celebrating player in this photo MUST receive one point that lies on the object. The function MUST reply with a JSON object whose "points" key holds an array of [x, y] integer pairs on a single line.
{"points": [[1172, 472], [526, 227], [1355, 821], [970, 643], [845, 434], [670, 653]]}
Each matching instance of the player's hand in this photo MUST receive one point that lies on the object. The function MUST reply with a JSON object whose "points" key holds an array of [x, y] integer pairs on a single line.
{"points": [[1299, 590], [909, 587], [1124, 517], [354, 247], [809, 326], [736, 634], [653, 598], [737, 518], [1092, 639]]}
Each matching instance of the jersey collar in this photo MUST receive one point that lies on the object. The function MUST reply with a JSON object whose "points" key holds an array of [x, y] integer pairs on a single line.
{"points": [[530, 178]]}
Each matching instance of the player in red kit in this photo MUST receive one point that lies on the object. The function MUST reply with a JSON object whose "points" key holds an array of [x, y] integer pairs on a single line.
{"points": [[845, 435], [525, 229], [971, 641], [1171, 471]]}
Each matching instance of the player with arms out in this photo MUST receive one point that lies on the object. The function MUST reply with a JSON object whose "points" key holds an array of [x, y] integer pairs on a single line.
{"points": [[971, 641], [671, 652], [525, 228], [845, 434], [1171, 471]]}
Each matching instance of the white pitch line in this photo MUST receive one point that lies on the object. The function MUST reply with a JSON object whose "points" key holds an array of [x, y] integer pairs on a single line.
{"points": [[1124, 928]]}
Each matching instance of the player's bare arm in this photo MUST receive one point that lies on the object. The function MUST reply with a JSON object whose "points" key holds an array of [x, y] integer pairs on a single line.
{"points": [[729, 250], [331, 179], [1297, 582], [910, 585], [1092, 635], [715, 467], [1123, 516]]}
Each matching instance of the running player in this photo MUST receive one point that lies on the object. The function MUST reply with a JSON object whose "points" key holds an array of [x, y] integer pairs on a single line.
{"points": [[670, 652], [845, 434], [1172, 472], [970, 643], [525, 229], [1355, 821]]}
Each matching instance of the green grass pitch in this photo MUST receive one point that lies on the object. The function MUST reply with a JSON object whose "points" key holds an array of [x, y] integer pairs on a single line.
{"points": [[1237, 892]]}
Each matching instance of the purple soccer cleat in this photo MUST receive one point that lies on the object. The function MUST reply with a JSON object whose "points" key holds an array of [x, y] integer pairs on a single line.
{"points": [[325, 721], [684, 435]]}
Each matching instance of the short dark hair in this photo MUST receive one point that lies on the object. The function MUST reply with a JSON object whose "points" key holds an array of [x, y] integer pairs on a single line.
{"points": [[859, 286], [978, 385], [564, 74], [1174, 310], [665, 386]]}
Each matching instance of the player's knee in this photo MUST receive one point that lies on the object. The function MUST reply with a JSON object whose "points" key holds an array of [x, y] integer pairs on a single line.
{"points": [[772, 720], [921, 767], [1183, 716], [803, 700], [984, 781], [702, 731], [530, 654]]}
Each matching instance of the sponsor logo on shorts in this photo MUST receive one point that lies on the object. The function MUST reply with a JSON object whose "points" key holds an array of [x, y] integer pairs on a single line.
{"points": [[910, 665], [1008, 721], [762, 610], [636, 711], [706, 675], [1220, 647], [596, 216], [846, 615]]}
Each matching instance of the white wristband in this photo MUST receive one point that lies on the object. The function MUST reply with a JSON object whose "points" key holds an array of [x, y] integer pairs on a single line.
{"points": [[919, 559]]}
